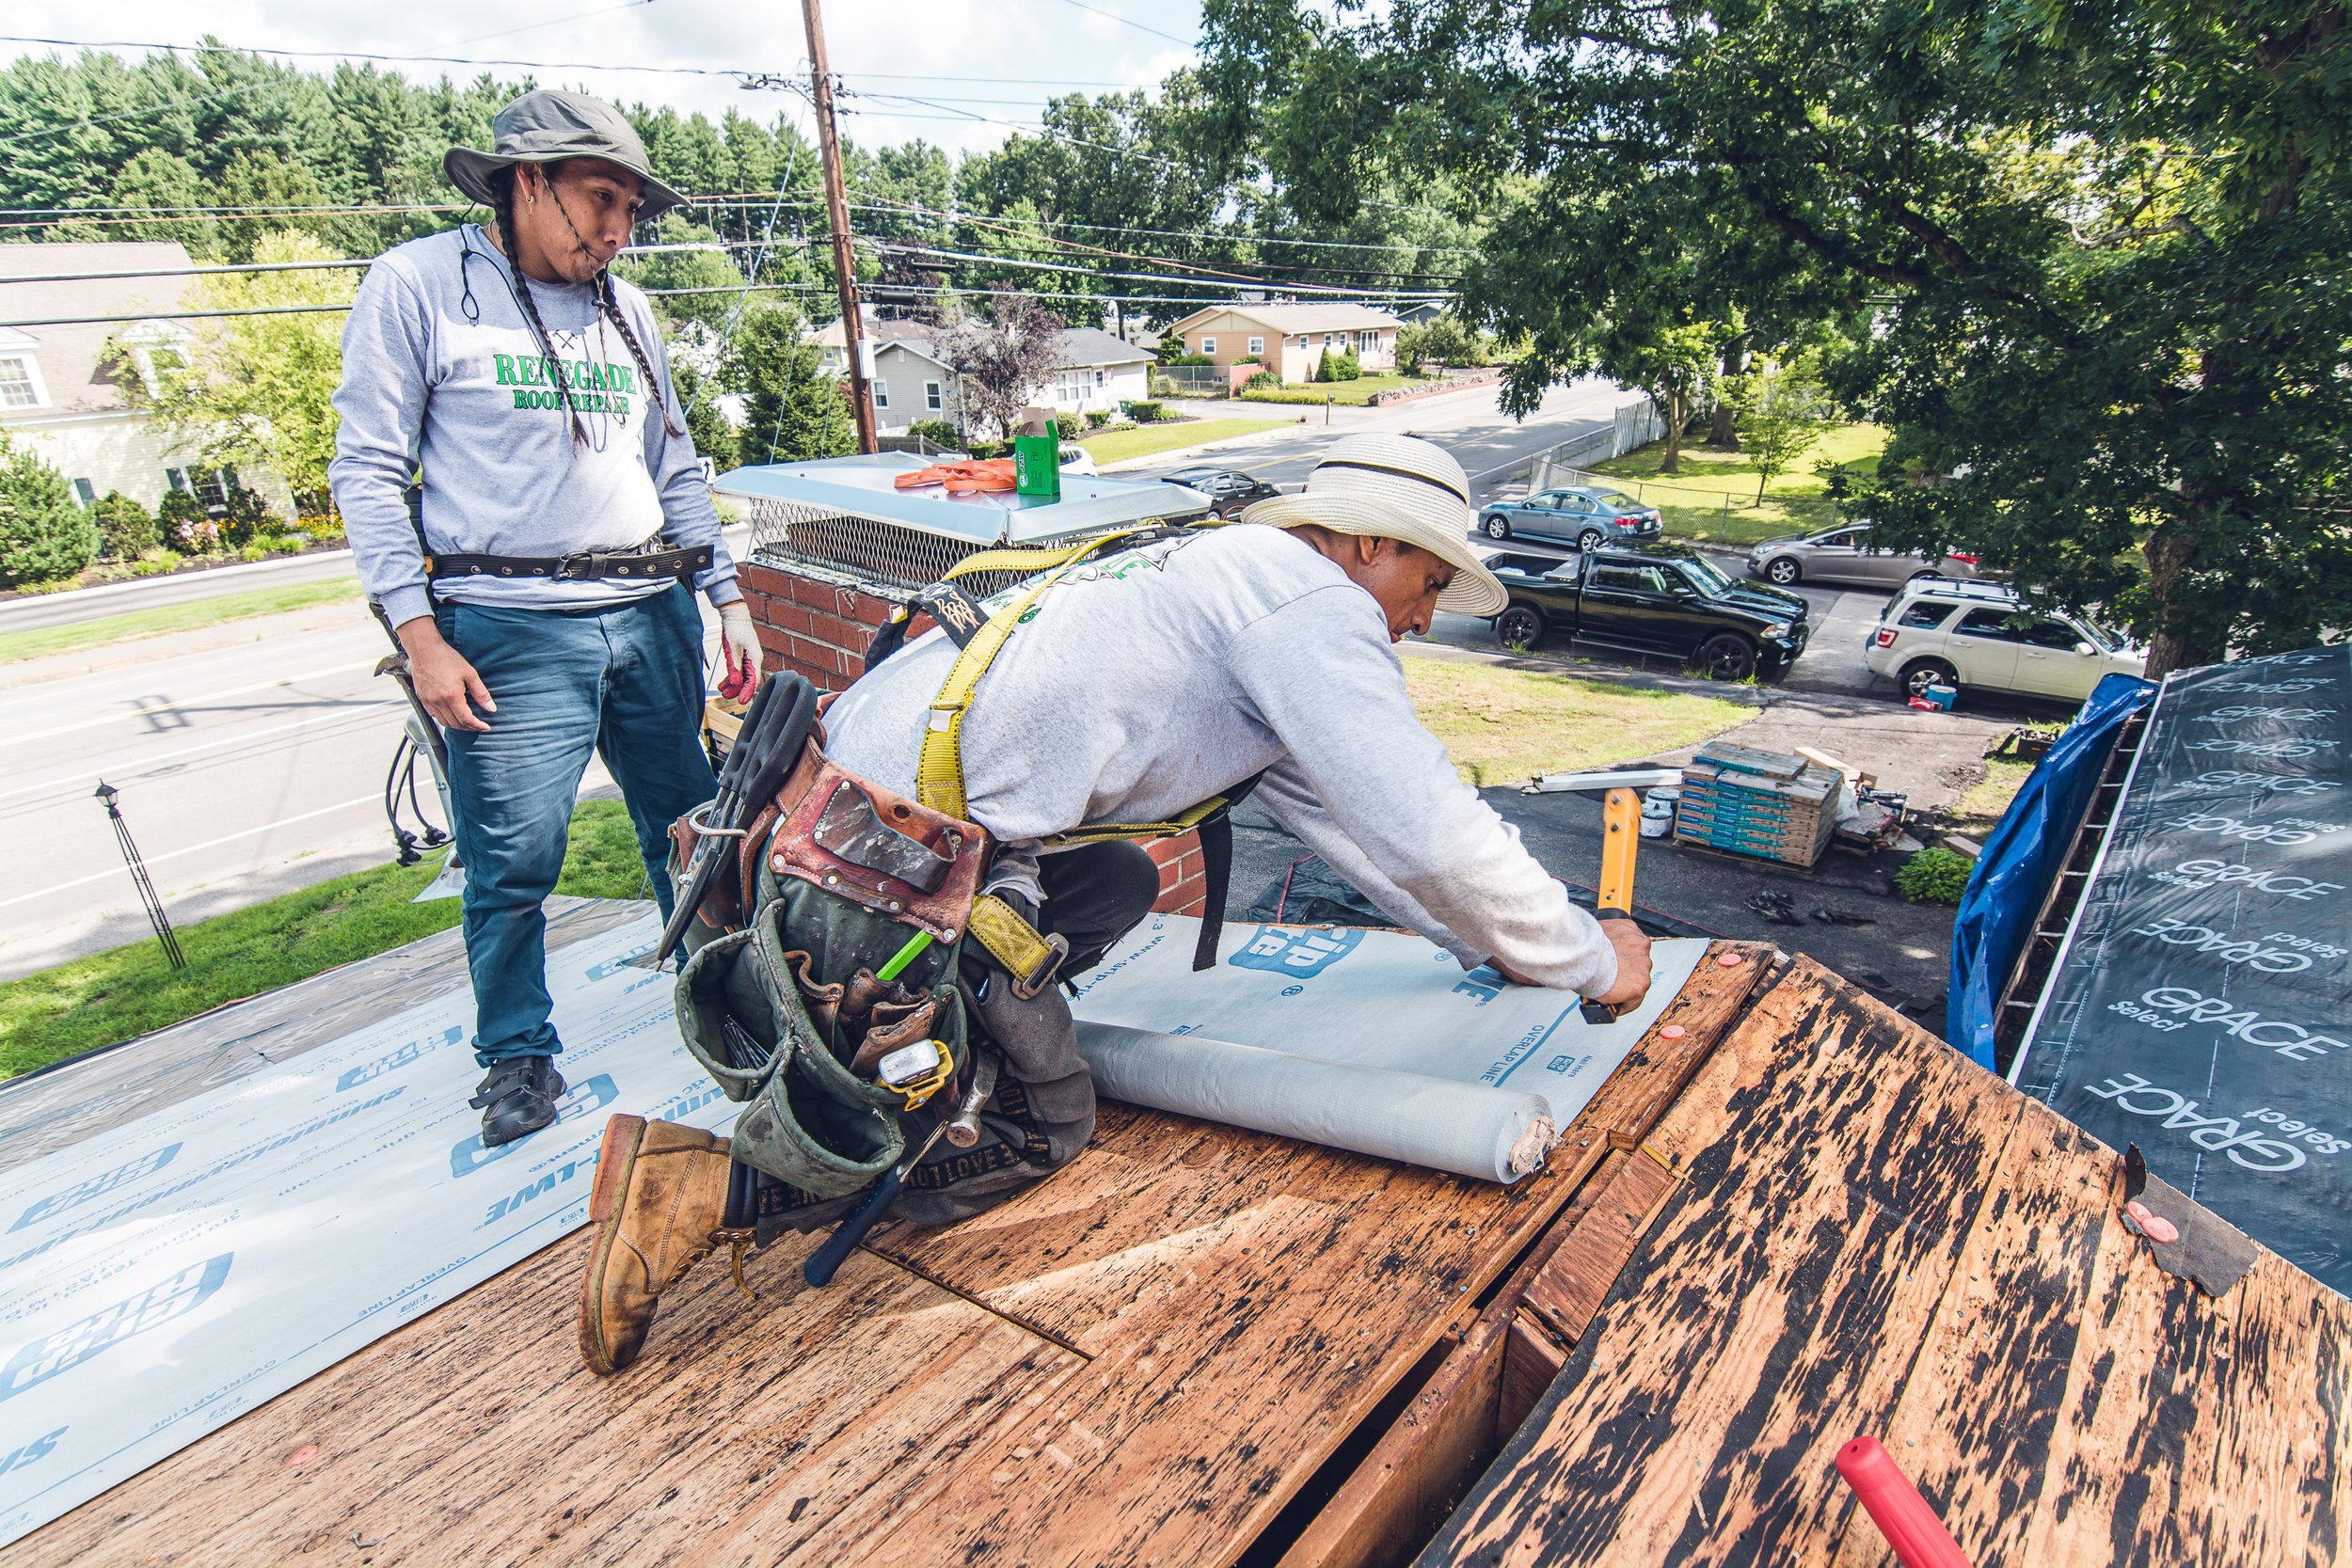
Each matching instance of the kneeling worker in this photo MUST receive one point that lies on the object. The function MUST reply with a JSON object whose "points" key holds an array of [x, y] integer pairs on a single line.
{"points": [[1143, 683]]}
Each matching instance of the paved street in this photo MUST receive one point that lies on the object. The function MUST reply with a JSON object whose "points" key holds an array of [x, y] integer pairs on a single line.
{"points": [[1490, 445]]}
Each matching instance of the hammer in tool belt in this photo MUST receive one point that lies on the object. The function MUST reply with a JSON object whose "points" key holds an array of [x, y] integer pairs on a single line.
{"points": [[1621, 838]]}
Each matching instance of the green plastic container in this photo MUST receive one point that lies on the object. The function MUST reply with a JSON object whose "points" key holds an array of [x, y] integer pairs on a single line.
{"points": [[1036, 465]]}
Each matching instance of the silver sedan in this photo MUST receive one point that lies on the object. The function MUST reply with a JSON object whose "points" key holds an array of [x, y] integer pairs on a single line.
{"points": [[1845, 555]]}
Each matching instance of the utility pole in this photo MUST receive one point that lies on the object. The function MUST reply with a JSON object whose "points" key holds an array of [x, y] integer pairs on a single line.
{"points": [[837, 216]]}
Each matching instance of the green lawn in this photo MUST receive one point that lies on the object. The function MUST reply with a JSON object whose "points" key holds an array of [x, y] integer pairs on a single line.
{"points": [[1505, 726], [1978, 812], [114, 995], [1120, 444], [1712, 500], [1358, 391], [78, 635]]}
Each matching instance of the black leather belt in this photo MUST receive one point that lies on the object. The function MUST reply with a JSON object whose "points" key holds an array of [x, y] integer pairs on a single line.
{"points": [[581, 566]]}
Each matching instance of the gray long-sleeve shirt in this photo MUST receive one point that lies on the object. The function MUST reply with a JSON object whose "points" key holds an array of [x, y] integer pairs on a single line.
{"points": [[440, 371], [1153, 680]]}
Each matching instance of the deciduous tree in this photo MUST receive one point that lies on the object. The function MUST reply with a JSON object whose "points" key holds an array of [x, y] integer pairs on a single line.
{"points": [[2102, 245]]}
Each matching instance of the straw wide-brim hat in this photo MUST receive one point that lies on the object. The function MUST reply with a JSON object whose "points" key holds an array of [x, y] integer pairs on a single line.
{"points": [[547, 127], [1395, 487]]}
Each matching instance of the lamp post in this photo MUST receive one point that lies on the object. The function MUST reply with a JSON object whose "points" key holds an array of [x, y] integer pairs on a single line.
{"points": [[139, 878]]}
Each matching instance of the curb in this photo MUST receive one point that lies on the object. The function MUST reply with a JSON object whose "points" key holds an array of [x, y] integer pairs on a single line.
{"points": [[209, 574]]}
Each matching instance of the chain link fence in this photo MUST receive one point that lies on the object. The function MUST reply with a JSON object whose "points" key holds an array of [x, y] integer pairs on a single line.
{"points": [[1637, 425]]}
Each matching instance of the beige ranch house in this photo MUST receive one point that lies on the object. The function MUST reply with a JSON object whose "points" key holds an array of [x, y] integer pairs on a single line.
{"points": [[1291, 340]]}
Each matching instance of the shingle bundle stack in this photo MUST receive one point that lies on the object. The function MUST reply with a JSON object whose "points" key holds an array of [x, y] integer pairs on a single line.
{"points": [[1769, 805]]}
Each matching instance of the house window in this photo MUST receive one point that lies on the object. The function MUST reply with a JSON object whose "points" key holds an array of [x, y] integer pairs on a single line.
{"points": [[931, 396], [1304, 342], [1367, 341], [1257, 347], [1208, 345], [882, 394], [176, 478], [213, 485], [86, 493], [19, 382]]}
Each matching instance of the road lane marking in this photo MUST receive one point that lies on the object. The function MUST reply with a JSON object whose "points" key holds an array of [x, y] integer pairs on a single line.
{"points": [[132, 768], [374, 798], [152, 710]]}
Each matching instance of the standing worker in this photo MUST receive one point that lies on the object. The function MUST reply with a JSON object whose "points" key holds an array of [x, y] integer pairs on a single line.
{"points": [[542, 591]]}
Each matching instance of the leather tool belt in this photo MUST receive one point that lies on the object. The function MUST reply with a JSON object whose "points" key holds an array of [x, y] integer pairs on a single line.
{"points": [[779, 999], [580, 566]]}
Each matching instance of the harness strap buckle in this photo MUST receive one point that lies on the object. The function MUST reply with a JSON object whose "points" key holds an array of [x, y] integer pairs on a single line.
{"points": [[1031, 960]]}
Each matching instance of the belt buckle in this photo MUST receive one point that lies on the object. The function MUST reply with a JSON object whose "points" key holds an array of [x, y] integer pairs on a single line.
{"points": [[579, 567], [1026, 987]]}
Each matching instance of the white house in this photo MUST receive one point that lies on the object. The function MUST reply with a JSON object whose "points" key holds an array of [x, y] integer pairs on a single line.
{"points": [[58, 396], [1094, 372]]}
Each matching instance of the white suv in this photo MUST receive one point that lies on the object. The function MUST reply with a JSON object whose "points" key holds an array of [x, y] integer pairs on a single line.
{"points": [[1980, 635]]}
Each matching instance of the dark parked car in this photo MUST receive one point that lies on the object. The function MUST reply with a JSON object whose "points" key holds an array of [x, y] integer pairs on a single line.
{"points": [[1228, 490], [1662, 600], [1575, 515]]}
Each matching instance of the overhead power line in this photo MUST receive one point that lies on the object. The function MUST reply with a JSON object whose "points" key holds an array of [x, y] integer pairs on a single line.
{"points": [[1139, 26], [394, 60]]}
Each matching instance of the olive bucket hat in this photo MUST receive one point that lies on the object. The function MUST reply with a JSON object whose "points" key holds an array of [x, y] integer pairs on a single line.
{"points": [[546, 127]]}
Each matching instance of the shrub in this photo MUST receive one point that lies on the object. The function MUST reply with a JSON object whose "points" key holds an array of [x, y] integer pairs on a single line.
{"points": [[1147, 413], [1934, 877], [245, 517], [182, 521], [939, 432], [286, 543], [125, 527], [1263, 379], [1066, 426], [1097, 417], [44, 536], [1344, 367], [257, 550], [1189, 359]]}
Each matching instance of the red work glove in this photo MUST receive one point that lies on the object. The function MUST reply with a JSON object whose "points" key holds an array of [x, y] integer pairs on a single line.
{"points": [[738, 653]]}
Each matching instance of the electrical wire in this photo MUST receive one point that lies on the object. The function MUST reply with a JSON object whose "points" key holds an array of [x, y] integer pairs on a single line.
{"points": [[394, 60], [1139, 26], [134, 114]]}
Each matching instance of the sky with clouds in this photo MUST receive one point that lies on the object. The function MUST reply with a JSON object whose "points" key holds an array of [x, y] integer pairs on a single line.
{"points": [[999, 62]]}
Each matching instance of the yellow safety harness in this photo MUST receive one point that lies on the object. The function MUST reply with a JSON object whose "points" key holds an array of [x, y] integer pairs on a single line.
{"points": [[1031, 958]]}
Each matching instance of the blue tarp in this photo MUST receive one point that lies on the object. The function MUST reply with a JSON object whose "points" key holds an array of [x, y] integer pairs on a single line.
{"points": [[2022, 858]]}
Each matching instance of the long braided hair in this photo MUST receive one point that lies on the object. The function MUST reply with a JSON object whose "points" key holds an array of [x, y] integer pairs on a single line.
{"points": [[607, 304]]}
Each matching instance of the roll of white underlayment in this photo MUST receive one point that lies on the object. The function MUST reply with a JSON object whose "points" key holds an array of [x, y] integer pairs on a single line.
{"points": [[1469, 1129], [1376, 1041]]}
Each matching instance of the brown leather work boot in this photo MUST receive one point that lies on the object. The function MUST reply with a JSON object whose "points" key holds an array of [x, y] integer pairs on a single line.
{"points": [[660, 1207]]}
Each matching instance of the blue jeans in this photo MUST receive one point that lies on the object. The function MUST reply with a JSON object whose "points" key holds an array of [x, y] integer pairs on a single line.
{"points": [[626, 683]]}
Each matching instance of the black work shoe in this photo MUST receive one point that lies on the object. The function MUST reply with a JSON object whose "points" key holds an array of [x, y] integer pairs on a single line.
{"points": [[517, 1099]]}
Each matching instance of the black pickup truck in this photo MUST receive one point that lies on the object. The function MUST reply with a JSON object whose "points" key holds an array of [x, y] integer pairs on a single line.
{"points": [[1662, 600]]}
